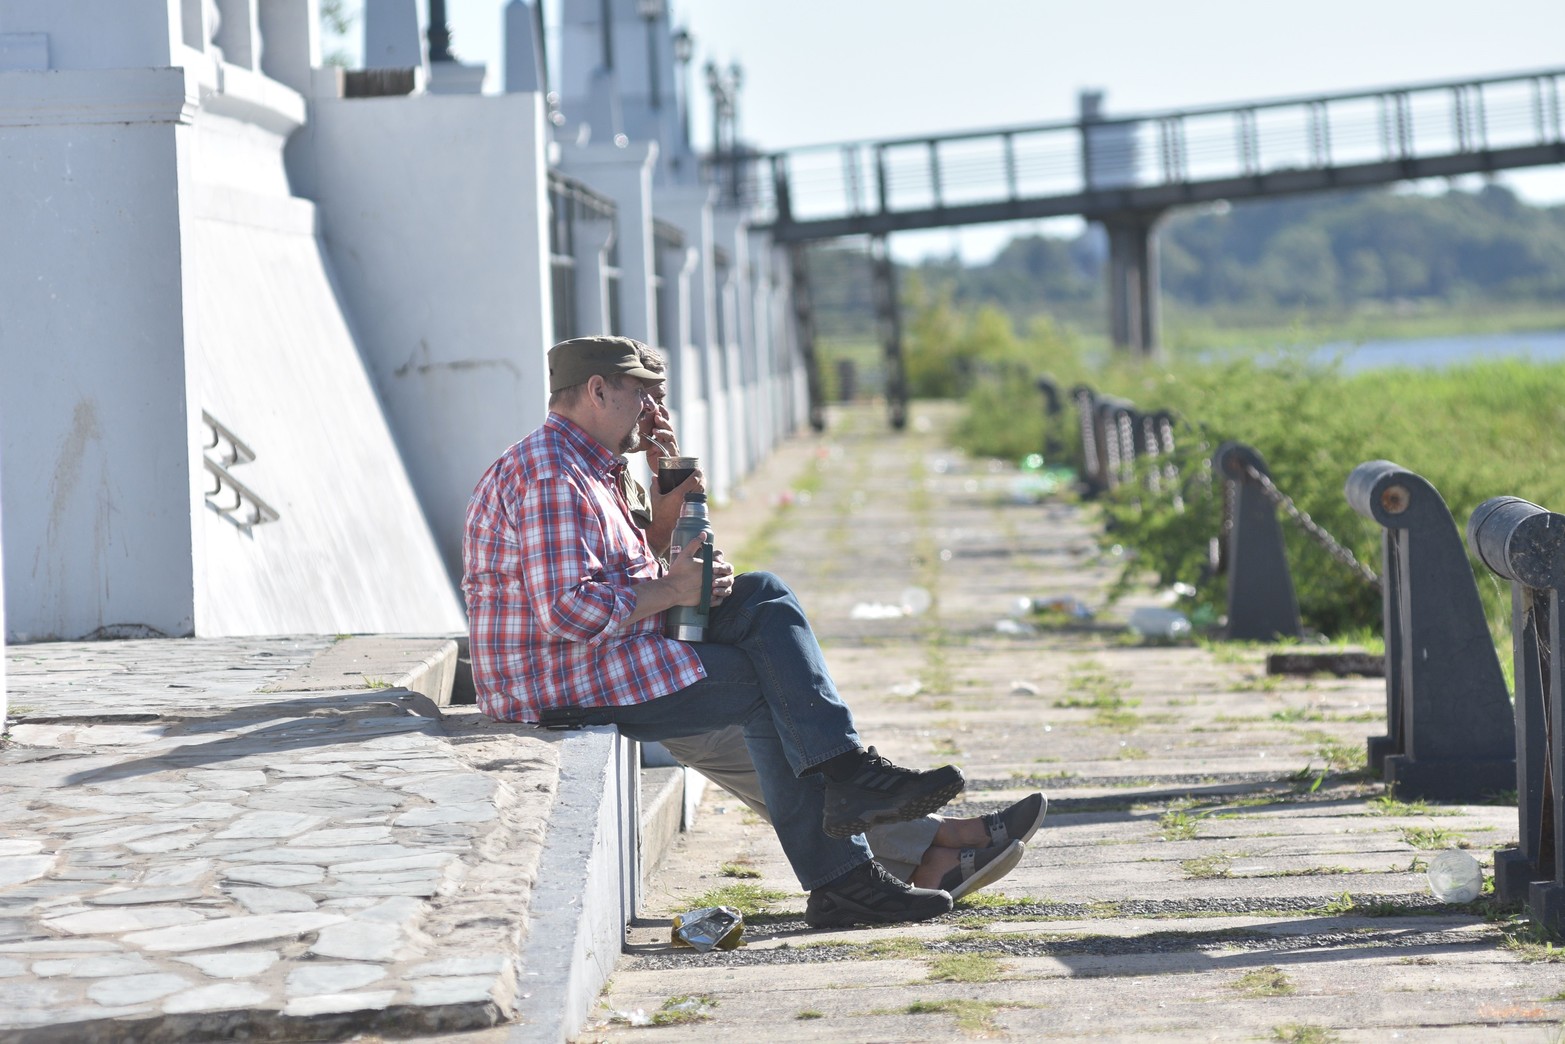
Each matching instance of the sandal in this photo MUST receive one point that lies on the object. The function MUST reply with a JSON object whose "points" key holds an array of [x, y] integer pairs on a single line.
{"points": [[1017, 823], [977, 867]]}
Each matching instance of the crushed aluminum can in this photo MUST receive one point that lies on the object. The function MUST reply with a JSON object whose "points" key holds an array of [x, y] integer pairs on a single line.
{"points": [[709, 928]]}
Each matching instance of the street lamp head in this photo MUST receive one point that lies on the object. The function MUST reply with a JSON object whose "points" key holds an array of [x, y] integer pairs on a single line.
{"points": [[714, 79], [736, 75], [651, 10], [684, 46]]}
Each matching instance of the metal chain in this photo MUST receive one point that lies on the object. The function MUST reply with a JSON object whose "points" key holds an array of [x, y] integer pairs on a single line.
{"points": [[1313, 528]]}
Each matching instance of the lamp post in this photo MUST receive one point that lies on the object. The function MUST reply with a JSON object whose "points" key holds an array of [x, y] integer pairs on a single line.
{"points": [[651, 12], [684, 50]]}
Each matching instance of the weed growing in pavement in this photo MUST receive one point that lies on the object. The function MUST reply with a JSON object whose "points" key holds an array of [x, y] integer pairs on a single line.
{"points": [[1340, 756], [737, 870], [1264, 982], [810, 1013], [1340, 905], [1207, 867], [1387, 805], [1292, 714], [990, 900], [872, 949], [376, 683], [683, 1010], [1533, 942], [1176, 825], [1298, 1033], [972, 1016], [967, 967], [1434, 837], [748, 899]]}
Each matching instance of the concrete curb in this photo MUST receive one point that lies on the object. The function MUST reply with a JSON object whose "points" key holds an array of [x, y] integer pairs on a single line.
{"points": [[587, 886]]}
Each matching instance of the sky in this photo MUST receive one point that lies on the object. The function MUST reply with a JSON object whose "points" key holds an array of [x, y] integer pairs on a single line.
{"points": [[840, 70]]}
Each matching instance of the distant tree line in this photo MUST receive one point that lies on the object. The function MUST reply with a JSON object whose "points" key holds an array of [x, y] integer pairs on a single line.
{"points": [[1333, 252]]}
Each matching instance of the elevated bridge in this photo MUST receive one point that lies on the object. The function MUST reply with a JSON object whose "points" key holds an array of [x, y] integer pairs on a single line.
{"points": [[1125, 172]]}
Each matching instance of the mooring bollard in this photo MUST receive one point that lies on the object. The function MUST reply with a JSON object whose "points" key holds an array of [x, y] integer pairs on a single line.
{"points": [[1525, 544], [1053, 406], [1449, 730], [1261, 602], [1093, 480]]}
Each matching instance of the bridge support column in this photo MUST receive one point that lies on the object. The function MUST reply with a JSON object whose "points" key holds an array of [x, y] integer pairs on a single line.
{"points": [[804, 330], [889, 313], [1133, 282]]}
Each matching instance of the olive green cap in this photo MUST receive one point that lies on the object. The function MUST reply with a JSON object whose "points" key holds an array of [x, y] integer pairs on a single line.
{"points": [[572, 362]]}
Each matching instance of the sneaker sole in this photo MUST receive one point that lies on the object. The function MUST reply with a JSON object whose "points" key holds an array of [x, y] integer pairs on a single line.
{"points": [[922, 805], [992, 871], [841, 917]]}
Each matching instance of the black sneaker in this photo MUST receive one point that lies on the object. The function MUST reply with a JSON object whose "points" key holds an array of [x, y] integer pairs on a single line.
{"points": [[880, 792], [868, 895]]}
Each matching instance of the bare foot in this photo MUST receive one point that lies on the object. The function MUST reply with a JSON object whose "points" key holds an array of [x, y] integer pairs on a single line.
{"points": [[962, 833], [937, 862]]}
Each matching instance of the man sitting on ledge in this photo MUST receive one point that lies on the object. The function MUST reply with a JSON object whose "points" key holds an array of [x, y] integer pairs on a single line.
{"points": [[565, 603]]}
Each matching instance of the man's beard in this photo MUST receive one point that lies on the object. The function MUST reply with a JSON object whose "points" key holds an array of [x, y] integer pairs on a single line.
{"points": [[631, 440]]}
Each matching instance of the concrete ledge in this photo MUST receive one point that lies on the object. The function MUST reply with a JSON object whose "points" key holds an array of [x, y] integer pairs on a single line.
{"points": [[587, 886]]}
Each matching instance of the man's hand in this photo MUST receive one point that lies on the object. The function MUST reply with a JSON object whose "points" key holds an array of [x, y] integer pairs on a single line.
{"points": [[665, 507], [722, 577], [681, 585], [657, 431]]}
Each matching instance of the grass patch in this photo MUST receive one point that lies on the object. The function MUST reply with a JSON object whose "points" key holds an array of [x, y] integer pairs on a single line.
{"points": [[1434, 837], [1532, 942], [1341, 904], [886, 949], [1292, 714], [810, 1013], [1298, 1033], [991, 900], [748, 899], [1387, 805], [1176, 825], [967, 967], [376, 683], [684, 1010], [1207, 867], [738, 870], [1264, 982], [972, 1016]]}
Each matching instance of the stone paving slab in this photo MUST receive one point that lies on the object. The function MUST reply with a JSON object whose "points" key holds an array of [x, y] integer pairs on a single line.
{"points": [[282, 853], [1193, 881]]}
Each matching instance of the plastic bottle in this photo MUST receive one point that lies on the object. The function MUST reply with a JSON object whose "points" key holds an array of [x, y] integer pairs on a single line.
{"points": [[687, 623], [1455, 877], [1152, 622]]}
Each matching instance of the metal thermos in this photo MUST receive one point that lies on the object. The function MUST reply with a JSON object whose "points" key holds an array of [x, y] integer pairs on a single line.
{"points": [[687, 623]]}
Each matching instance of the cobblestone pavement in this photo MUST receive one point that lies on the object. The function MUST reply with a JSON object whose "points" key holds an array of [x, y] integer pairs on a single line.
{"points": [[261, 836], [1211, 867]]}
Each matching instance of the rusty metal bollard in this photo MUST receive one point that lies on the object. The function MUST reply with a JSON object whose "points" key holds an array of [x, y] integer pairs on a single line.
{"points": [[1525, 544], [1449, 730]]}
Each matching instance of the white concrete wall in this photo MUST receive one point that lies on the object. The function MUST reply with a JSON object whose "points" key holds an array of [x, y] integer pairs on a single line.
{"points": [[170, 271], [93, 404], [435, 215]]}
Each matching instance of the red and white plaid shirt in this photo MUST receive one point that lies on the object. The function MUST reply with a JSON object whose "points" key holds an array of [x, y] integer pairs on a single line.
{"points": [[551, 558]]}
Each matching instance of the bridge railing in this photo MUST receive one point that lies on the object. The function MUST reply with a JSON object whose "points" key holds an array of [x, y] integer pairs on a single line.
{"points": [[1084, 162]]}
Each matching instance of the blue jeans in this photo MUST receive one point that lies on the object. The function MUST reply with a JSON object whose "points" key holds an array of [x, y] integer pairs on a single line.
{"points": [[765, 672]]}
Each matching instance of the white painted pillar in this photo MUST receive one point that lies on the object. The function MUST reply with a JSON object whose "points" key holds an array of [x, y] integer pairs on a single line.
{"points": [[624, 174], [93, 410], [592, 240]]}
